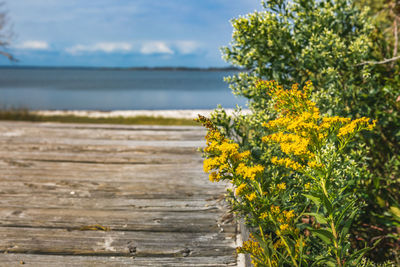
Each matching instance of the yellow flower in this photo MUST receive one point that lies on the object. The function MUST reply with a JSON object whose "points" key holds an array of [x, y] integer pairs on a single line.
{"points": [[249, 172], [300, 128], [288, 214], [314, 165], [347, 129], [243, 155], [307, 186], [239, 190], [281, 219], [228, 148], [208, 164], [252, 247], [372, 125], [214, 177], [275, 209], [284, 227], [297, 245], [278, 244], [288, 163], [251, 197], [290, 143], [281, 186], [356, 125]]}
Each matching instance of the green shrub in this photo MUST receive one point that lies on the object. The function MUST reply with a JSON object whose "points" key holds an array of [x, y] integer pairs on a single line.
{"points": [[301, 199], [340, 49]]}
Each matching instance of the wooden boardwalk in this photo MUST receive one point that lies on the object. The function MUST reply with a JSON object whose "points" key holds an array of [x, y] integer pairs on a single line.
{"points": [[109, 195]]}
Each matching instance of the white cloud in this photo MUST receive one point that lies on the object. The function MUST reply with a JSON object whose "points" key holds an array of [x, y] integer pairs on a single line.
{"points": [[101, 47], [33, 45], [187, 47], [155, 48]]}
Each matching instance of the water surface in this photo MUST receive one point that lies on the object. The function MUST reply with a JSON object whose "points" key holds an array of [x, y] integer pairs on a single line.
{"points": [[105, 89]]}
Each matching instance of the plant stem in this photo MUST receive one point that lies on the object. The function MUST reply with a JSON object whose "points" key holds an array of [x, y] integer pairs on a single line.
{"points": [[288, 249], [333, 228]]}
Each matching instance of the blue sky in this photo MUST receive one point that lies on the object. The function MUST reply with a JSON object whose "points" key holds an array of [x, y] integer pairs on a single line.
{"points": [[122, 33]]}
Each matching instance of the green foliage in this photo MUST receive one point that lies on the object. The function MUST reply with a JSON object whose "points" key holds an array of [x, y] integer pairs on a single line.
{"points": [[299, 198], [340, 46]]}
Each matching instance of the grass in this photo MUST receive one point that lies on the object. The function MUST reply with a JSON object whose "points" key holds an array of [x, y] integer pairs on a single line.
{"points": [[25, 115]]}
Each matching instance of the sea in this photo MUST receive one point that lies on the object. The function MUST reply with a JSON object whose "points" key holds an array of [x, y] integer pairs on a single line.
{"points": [[114, 89]]}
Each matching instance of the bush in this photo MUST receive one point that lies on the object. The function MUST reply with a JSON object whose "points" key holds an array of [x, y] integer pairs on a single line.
{"points": [[301, 199], [338, 47]]}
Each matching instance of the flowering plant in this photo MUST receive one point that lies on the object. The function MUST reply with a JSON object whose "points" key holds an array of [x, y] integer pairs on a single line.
{"points": [[299, 196]]}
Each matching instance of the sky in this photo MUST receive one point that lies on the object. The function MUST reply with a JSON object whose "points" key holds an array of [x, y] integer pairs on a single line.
{"points": [[122, 33]]}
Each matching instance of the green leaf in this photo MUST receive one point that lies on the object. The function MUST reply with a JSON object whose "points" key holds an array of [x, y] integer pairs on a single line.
{"points": [[339, 219], [314, 199], [320, 218], [327, 204], [300, 250], [331, 263], [347, 225], [355, 258], [395, 211], [327, 260], [324, 234], [344, 249]]}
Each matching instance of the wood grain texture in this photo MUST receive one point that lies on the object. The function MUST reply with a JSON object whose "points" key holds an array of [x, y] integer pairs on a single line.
{"points": [[143, 184], [30, 260]]}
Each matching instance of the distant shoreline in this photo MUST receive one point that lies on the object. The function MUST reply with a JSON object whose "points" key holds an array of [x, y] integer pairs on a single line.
{"points": [[168, 113], [211, 69], [128, 117]]}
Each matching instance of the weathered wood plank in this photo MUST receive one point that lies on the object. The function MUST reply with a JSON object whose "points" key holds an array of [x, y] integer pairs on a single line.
{"points": [[94, 132], [116, 172], [112, 181], [16, 260], [145, 184], [188, 221], [106, 189], [97, 159], [117, 151], [198, 203], [114, 243]]}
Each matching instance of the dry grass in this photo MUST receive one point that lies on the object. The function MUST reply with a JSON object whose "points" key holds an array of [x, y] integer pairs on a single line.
{"points": [[25, 115]]}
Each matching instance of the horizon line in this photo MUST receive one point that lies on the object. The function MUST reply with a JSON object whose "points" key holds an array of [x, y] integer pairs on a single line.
{"points": [[121, 68]]}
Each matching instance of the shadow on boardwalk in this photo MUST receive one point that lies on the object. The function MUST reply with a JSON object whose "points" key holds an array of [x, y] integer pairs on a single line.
{"points": [[109, 195]]}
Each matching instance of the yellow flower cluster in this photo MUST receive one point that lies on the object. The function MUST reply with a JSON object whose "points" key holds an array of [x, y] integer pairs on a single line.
{"points": [[288, 101], [291, 143], [223, 155], [210, 164], [284, 227], [288, 214], [249, 172], [281, 186], [307, 186], [263, 215], [299, 127], [251, 197], [253, 248], [214, 177], [278, 244], [328, 122], [275, 209], [284, 218], [287, 162], [315, 165], [240, 189], [356, 126]]}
